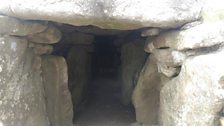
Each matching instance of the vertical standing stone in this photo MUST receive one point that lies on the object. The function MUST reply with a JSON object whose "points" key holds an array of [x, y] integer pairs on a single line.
{"points": [[146, 94], [58, 98], [195, 96], [22, 100], [79, 63], [132, 59]]}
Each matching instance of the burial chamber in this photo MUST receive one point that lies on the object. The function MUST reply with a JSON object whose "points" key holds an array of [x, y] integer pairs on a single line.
{"points": [[111, 63]]}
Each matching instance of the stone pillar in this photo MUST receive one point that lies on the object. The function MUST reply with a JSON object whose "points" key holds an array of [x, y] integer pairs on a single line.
{"points": [[146, 94], [79, 71], [132, 60], [22, 95], [58, 97], [192, 58], [22, 100], [195, 96]]}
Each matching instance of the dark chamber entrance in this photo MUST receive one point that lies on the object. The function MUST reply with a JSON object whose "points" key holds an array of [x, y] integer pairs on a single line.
{"points": [[94, 71], [103, 107]]}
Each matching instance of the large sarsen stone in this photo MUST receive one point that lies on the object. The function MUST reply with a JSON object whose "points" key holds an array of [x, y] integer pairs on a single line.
{"points": [[108, 14]]}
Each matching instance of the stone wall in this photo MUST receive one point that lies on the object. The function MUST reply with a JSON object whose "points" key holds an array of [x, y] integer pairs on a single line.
{"points": [[185, 89], [22, 96], [145, 97], [27, 97], [22, 101], [189, 74]]}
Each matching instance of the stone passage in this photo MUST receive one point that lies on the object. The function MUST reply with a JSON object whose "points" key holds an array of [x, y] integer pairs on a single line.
{"points": [[138, 63]]}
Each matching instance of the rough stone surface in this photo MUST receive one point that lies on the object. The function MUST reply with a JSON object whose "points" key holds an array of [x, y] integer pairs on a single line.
{"points": [[149, 46], [58, 97], [168, 71], [22, 100], [79, 66], [132, 60], [13, 26], [192, 38], [190, 25], [195, 96], [50, 36], [146, 94], [93, 30], [150, 32], [114, 14], [78, 38], [41, 49], [169, 57]]}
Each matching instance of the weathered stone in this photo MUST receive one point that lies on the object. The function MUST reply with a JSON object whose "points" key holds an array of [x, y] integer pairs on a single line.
{"points": [[212, 11], [79, 67], [149, 47], [169, 57], [168, 71], [58, 97], [13, 26], [41, 49], [190, 25], [146, 94], [50, 36], [150, 32], [78, 38], [22, 100], [192, 38], [132, 60], [113, 14], [195, 96], [93, 30]]}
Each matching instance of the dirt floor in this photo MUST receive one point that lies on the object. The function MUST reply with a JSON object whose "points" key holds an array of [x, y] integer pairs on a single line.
{"points": [[104, 107]]}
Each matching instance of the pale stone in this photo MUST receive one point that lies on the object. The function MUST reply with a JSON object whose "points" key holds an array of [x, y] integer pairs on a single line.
{"points": [[190, 25], [195, 96], [79, 70], [21, 93], [58, 97], [132, 60], [168, 71], [50, 36], [13, 26], [113, 14], [146, 94], [150, 32], [169, 57], [203, 35], [149, 46]]}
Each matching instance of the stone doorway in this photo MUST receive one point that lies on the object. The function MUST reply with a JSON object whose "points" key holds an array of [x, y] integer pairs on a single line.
{"points": [[102, 72], [171, 66]]}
